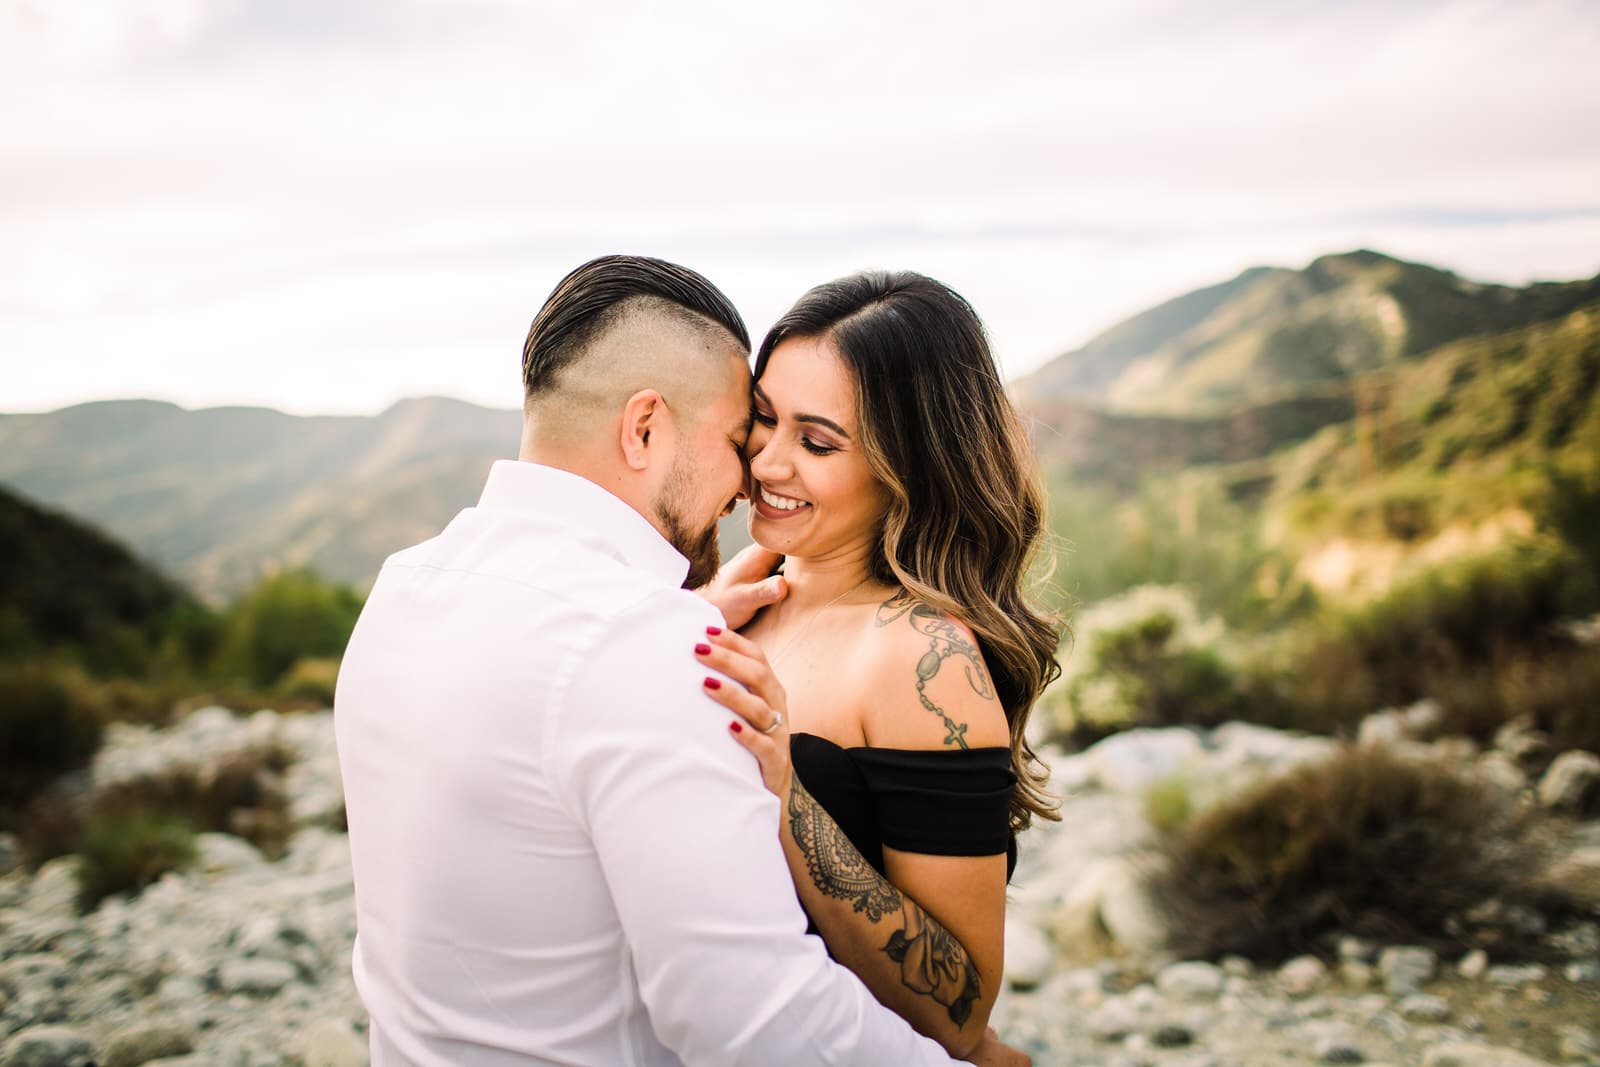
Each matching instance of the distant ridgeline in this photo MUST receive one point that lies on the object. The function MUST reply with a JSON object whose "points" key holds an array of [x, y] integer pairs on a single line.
{"points": [[1360, 397], [1361, 406]]}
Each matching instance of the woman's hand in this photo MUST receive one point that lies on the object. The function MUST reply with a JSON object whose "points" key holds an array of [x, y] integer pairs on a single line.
{"points": [[745, 584], [758, 700]]}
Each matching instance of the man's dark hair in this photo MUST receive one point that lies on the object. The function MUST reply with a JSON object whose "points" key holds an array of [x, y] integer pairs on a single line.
{"points": [[589, 300]]}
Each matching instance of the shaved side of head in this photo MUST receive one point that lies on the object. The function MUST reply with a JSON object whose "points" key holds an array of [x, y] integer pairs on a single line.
{"points": [[641, 342]]}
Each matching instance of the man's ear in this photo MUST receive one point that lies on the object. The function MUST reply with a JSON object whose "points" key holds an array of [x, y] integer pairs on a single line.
{"points": [[644, 416]]}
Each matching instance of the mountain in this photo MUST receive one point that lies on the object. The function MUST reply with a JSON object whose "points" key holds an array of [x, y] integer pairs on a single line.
{"points": [[223, 495], [63, 583], [1272, 332]]}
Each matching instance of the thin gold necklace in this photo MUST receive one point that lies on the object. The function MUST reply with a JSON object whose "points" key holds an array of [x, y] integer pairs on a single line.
{"points": [[813, 618]]}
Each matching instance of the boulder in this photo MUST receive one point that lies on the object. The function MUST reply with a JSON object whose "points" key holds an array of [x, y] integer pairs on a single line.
{"points": [[1572, 784], [1406, 969], [1135, 760], [332, 1043], [1030, 957], [1190, 980], [1465, 1054], [47, 1046], [141, 1044], [1302, 976]]}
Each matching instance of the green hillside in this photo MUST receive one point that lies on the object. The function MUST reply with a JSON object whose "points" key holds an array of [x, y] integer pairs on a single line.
{"points": [[1272, 332], [1474, 428], [223, 496], [65, 586]]}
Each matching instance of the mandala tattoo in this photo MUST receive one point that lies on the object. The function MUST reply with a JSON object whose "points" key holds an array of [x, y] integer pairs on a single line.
{"points": [[945, 639], [932, 962], [835, 866]]}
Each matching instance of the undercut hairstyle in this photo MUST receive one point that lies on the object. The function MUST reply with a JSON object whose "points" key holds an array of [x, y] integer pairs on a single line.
{"points": [[596, 296], [965, 520]]}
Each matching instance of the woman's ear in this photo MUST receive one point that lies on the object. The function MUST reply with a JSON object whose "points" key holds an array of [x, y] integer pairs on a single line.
{"points": [[644, 412]]}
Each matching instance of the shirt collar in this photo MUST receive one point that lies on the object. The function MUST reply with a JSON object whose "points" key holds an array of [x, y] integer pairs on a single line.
{"points": [[594, 514]]}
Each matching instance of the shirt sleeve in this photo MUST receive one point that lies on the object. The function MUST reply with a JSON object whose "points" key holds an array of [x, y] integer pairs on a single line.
{"points": [[688, 840]]}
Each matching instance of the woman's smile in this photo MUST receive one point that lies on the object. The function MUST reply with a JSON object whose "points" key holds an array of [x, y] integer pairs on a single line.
{"points": [[776, 506]]}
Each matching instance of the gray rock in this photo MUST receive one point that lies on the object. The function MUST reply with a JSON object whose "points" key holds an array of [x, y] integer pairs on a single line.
{"points": [[1237, 967], [1572, 784], [1464, 1054], [1190, 980], [1134, 760], [48, 1046], [1501, 771], [1381, 728], [10, 854], [1583, 971], [1356, 975], [331, 1043], [1335, 1043], [1526, 745], [1358, 948], [1302, 976], [1424, 720], [54, 889], [1172, 1036], [1425, 1007], [1511, 976], [1113, 1021], [1030, 957], [1578, 1043], [140, 1045], [1406, 969], [255, 977], [1474, 964], [224, 854]]}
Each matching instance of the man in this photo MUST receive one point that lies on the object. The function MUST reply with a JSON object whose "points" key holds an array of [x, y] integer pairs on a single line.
{"points": [[561, 857]]}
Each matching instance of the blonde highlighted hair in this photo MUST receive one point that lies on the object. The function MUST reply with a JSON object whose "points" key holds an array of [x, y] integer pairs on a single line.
{"points": [[966, 513]]}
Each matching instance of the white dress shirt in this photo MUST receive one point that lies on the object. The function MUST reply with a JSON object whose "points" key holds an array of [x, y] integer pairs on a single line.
{"points": [[561, 856]]}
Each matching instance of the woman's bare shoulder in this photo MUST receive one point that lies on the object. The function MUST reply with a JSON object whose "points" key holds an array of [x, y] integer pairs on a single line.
{"points": [[928, 684]]}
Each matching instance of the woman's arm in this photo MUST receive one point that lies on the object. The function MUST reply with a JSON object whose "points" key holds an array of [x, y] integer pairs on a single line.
{"points": [[928, 940]]}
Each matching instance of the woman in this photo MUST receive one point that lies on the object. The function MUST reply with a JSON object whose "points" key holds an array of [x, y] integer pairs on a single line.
{"points": [[889, 469]]}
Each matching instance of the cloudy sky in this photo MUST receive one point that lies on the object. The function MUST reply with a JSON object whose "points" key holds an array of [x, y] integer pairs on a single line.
{"points": [[326, 205]]}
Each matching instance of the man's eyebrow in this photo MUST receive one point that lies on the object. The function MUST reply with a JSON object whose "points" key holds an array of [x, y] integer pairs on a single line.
{"points": [[817, 420]]}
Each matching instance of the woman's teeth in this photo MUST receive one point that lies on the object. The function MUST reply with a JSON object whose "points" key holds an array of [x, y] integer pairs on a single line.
{"points": [[783, 503]]}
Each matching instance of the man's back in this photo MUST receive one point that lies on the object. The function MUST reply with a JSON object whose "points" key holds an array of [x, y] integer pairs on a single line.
{"points": [[559, 855]]}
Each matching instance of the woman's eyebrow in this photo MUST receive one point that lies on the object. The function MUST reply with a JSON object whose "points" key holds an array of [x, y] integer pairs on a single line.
{"points": [[814, 419]]}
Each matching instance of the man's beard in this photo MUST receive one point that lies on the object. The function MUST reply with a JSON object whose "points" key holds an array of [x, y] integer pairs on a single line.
{"points": [[701, 549]]}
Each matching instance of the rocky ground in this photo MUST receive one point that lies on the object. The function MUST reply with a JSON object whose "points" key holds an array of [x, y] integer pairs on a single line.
{"points": [[242, 961]]}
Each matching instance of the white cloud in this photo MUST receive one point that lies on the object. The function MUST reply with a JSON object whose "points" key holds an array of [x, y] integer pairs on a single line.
{"points": [[371, 199]]}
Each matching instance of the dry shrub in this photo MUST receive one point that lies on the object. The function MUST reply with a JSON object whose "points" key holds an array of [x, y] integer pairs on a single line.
{"points": [[51, 721], [125, 851], [241, 794], [1368, 841]]}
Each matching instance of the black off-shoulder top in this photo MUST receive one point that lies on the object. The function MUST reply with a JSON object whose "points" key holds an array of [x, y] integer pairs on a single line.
{"points": [[945, 802]]}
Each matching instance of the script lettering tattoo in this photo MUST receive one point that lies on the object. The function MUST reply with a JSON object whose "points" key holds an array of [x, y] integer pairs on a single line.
{"points": [[945, 639], [932, 962]]}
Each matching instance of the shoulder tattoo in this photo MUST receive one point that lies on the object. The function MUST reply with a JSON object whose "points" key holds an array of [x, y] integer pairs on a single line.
{"points": [[946, 640]]}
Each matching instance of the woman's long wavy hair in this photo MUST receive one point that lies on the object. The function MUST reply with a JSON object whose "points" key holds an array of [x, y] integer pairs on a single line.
{"points": [[966, 512]]}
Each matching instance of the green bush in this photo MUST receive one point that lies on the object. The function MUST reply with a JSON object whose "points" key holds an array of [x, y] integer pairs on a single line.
{"points": [[288, 617], [311, 679], [1368, 842], [50, 722], [1483, 635], [123, 851], [1147, 659]]}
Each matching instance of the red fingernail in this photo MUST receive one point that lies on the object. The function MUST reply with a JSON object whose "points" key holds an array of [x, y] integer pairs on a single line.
{"points": [[735, 727], [702, 650], [713, 683], [713, 630]]}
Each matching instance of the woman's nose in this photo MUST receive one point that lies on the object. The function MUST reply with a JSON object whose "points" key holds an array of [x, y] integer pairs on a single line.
{"points": [[766, 461]]}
